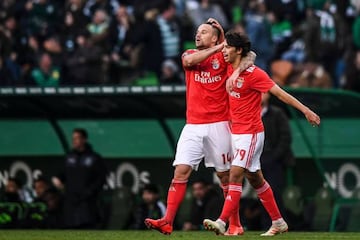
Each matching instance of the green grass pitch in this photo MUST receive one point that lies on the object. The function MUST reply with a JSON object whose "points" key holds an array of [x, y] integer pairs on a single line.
{"points": [[152, 235]]}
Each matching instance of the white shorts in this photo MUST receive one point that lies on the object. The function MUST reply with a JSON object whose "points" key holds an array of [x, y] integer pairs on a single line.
{"points": [[247, 150], [211, 141]]}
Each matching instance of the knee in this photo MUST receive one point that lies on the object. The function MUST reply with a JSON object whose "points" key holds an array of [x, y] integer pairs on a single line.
{"points": [[182, 172], [256, 183], [256, 180], [224, 177], [236, 175]]}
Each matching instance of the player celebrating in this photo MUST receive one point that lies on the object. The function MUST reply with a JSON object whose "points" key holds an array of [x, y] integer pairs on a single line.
{"points": [[206, 133], [245, 90]]}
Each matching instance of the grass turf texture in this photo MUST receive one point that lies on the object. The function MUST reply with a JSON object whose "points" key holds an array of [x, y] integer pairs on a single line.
{"points": [[152, 235]]}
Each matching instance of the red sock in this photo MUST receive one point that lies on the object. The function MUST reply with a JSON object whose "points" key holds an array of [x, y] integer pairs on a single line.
{"points": [[266, 196], [232, 202], [235, 217], [175, 196]]}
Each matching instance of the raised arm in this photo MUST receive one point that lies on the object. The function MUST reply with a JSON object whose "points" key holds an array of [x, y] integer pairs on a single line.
{"points": [[189, 60], [285, 97], [213, 22]]}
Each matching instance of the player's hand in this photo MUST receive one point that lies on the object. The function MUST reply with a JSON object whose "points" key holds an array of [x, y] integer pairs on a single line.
{"points": [[231, 81], [312, 118], [247, 61], [217, 25]]}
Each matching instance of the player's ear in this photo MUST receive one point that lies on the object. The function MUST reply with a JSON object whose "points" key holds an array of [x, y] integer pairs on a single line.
{"points": [[239, 51], [215, 39]]}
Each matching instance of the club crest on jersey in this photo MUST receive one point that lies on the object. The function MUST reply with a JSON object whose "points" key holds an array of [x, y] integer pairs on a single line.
{"points": [[215, 64], [239, 82]]}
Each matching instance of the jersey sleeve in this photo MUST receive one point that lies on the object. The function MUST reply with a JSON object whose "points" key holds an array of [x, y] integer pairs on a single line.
{"points": [[261, 81]]}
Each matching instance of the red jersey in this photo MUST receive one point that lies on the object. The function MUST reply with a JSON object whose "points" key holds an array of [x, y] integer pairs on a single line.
{"points": [[245, 100], [206, 96]]}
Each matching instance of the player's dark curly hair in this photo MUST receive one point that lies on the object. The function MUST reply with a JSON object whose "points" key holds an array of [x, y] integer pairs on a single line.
{"points": [[238, 40]]}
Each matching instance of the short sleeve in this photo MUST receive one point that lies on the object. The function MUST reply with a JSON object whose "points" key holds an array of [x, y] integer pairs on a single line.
{"points": [[261, 81]]}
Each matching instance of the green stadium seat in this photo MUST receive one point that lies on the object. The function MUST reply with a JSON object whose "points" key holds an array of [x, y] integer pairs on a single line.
{"points": [[149, 79], [11, 214], [35, 214], [346, 213], [189, 45], [324, 203], [121, 208], [293, 200]]}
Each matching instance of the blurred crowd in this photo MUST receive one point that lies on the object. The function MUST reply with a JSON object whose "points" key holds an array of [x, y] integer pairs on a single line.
{"points": [[301, 43]]}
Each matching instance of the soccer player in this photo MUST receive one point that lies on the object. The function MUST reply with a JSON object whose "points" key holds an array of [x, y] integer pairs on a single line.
{"points": [[245, 91], [206, 133]]}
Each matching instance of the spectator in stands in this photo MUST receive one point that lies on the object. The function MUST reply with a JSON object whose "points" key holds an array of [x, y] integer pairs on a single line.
{"points": [[281, 31], [52, 46], [83, 179], [74, 23], [201, 10], [170, 73], [10, 39], [29, 53], [43, 17], [98, 28], [6, 77], [147, 36], [109, 6], [46, 193], [206, 203], [46, 74], [322, 38], [84, 66], [41, 185], [258, 28], [121, 52], [356, 32], [159, 36], [277, 154], [310, 75], [32, 27], [12, 191], [10, 209], [352, 72], [170, 31], [150, 206], [291, 10], [6, 6]]}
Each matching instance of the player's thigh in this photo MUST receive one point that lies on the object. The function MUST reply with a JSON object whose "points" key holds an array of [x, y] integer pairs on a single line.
{"points": [[247, 150], [190, 148], [217, 147]]}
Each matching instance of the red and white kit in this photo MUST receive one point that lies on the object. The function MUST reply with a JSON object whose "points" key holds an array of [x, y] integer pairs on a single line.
{"points": [[206, 133], [245, 111]]}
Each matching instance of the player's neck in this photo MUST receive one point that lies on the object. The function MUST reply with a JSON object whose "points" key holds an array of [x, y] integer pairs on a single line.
{"points": [[236, 63]]}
